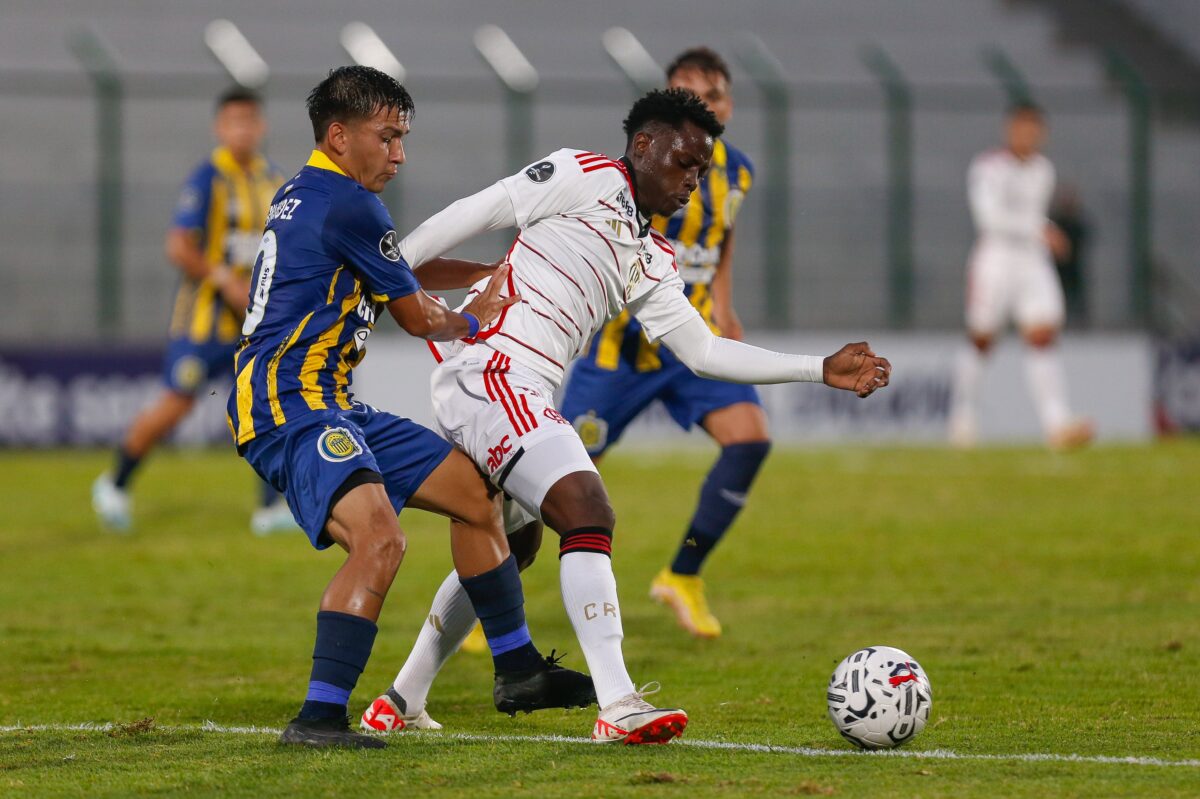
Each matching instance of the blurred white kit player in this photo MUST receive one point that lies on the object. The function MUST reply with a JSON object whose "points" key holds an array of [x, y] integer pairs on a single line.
{"points": [[1011, 276], [585, 252]]}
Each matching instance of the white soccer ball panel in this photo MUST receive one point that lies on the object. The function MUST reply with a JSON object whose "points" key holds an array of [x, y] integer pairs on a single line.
{"points": [[879, 697]]}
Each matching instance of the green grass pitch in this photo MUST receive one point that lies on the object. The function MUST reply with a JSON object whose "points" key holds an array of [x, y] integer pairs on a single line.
{"points": [[1054, 601]]}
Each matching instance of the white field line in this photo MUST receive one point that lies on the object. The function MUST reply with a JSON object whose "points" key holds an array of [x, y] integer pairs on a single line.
{"points": [[729, 746]]}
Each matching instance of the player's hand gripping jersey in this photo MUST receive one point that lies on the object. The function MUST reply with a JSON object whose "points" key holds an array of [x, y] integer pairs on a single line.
{"points": [[326, 262], [583, 254]]}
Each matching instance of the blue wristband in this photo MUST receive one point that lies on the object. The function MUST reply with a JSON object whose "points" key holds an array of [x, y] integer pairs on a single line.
{"points": [[472, 324]]}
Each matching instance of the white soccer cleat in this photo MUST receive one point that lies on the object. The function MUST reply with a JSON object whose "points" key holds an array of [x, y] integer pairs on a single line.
{"points": [[386, 714], [274, 518], [111, 504], [633, 720]]}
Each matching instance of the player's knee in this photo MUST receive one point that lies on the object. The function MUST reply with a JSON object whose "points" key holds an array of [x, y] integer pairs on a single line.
{"points": [[982, 343], [1040, 337], [525, 543], [578, 500], [380, 538]]}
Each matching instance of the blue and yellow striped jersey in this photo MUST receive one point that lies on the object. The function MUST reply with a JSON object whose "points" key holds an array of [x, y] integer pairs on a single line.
{"points": [[697, 232], [227, 205], [328, 259]]}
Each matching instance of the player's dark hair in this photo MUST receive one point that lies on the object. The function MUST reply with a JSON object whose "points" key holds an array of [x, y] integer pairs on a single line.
{"points": [[237, 94], [1025, 107], [671, 107], [704, 59], [354, 93]]}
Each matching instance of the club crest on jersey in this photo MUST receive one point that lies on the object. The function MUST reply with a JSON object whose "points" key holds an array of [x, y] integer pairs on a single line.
{"points": [[337, 445], [592, 430], [540, 172], [389, 246]]}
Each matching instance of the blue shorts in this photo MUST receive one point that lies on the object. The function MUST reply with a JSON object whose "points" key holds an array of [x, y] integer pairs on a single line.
{"points": [[601, 403], [308, 459], [188, 366]]}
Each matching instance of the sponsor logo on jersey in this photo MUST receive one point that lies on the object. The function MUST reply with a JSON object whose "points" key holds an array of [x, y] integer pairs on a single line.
{"points": [[389, 246], [496, 454], [337, 445], [540, 172], [592, 430]]}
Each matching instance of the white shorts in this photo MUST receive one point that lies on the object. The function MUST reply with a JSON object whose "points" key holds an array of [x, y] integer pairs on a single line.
{"points": [[502, 416], [1004, 284]]}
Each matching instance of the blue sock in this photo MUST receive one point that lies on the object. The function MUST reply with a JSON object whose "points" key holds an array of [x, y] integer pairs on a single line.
{"points": [[343, 646], [267, 493], [124, 467], [721, 497], [500, 605]]}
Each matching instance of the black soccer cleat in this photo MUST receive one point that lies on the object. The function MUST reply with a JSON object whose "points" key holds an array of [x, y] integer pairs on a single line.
{"points": [[549, 685], [324, 733]]}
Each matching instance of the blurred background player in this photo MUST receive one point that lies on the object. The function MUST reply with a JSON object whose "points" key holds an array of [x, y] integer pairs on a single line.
{"points": [[1011, 275], [623, 373], [213, 240]]}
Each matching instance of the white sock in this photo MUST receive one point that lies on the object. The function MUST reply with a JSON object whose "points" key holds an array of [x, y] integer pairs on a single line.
{"points": [[964, 397], [1048, 386], [450, 620], [589, 592]]}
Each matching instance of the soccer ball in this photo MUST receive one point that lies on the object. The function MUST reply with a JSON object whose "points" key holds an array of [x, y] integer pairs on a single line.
{"points": [[879, 697]]}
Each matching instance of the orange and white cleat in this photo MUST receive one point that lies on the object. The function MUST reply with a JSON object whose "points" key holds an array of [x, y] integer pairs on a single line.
{"points": [[388, 713], [633, 720]]}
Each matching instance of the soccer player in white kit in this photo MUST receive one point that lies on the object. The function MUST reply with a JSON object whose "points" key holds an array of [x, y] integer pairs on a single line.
{"points": [[1011, 276], [584, 252]]}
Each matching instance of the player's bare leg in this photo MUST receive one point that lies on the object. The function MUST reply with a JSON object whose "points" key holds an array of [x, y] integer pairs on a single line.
{"points": [[110, 498], [485, 583], [964, 399], [364, 524], [577, 507], [1048, 387], [741, 432]]}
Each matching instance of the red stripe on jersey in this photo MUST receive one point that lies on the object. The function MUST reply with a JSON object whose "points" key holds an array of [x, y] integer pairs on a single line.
{"points": [[512, 289], [616, 260], [662, 241], [556, 267], [527, 419], [532, 349], [437, 356], [553, 304], [547, 317], [495, 391], [587, 154]]}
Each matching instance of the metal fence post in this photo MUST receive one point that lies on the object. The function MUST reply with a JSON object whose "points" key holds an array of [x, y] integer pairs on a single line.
{"points": [[1005, 71], [100, 63], [633, 59], [767, 73], [520, 80], [898, 103], [1137, 95]]}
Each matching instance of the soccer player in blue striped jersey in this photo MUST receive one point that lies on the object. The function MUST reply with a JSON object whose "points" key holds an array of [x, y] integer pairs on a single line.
{"points": [[328, 264], [212, 241], [623, 372]]}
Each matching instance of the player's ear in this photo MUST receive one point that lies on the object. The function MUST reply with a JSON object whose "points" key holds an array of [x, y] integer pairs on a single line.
{"points": [[641, 142], [335, 137]]}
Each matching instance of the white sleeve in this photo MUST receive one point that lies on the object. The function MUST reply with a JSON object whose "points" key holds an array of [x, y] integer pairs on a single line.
{"points": [[709, 355], [554, 185], [992, 215], [487, 210]]}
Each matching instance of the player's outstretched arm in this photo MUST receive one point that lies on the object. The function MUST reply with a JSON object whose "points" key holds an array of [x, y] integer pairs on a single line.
{"points": [[854, 367], [422, 316], [443, 274]]}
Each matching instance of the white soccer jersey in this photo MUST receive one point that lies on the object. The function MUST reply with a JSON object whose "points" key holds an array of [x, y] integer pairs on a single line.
{"points": [[1010, 199], [583, 254]]}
